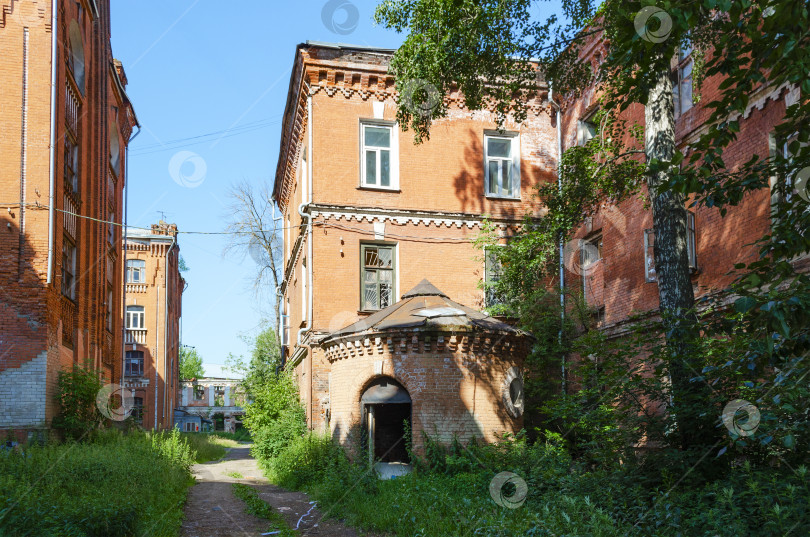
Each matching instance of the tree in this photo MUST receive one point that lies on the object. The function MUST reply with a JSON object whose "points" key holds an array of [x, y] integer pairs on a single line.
{"points": [[489, 51], [264, 361], [256, 231], [190, 364]]}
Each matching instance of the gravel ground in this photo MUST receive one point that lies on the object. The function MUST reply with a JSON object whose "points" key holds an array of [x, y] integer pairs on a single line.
{"points": [[213, 511]]}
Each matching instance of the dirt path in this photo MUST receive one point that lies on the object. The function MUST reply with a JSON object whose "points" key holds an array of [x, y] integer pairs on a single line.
{"points": [[213, 511]]}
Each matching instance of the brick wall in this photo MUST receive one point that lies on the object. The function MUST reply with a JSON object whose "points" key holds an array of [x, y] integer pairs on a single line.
{"points": [[36, 321]]}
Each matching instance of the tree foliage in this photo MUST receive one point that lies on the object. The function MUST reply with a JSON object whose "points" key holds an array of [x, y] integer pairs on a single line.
{"points": [[757, 350], [190, 364]]}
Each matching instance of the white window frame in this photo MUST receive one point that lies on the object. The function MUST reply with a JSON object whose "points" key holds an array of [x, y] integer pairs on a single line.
{"points": [[133, 313], [393, 150], [304, 294], [514, 138], [680, 80], [140, 269], [649, 256], [596, 240]]}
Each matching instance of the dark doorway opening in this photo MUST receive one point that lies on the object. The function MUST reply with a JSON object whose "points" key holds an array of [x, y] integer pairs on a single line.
{"points": [[387, 417]]}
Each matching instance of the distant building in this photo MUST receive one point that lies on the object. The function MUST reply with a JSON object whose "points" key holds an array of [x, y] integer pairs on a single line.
{"points": [[65, 123], [217, 399], [154, 295]]}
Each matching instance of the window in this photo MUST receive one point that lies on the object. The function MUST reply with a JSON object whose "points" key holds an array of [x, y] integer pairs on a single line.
{"points": [[691, 248], [378, 276], [783, 188], [502, 166], [71, 165], [76, 56], [682, 81], [649, 248], [109, 309], [136, 271], [137, 409], [492, 273], [133, 364], [199, 392], [110, 228], [135, 318], [190, 427], [378, 165], [649, 255], [589, 253], [68, 269], [586, 128], [304, 296], [219, 395]]}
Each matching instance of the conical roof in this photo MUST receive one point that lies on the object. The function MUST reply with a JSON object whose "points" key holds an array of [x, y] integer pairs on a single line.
{"points": [[426, 308]]}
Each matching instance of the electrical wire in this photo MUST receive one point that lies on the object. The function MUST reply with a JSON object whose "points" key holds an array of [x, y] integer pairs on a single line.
{"points": [[413, 238]]}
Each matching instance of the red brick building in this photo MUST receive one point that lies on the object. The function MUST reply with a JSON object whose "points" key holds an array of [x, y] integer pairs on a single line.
{"points": [[154, 297], [65, 121], [386, 213], [620, 279]]}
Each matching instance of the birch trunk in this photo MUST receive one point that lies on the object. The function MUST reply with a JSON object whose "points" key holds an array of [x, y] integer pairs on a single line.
{"points": [[675, 291]]}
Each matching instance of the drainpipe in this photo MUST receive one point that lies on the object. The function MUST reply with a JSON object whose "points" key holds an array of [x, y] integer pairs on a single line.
{"points": [[124, 260], [154, 358], [52, 174], [308, 216], [560, 245], [166, 319]]}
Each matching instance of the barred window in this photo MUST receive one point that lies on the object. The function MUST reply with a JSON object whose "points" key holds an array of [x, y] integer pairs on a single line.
{"points": [[378, 276]]}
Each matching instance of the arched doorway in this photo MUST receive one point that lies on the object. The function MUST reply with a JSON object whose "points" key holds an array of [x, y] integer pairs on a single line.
{"points": [[386, 414]]}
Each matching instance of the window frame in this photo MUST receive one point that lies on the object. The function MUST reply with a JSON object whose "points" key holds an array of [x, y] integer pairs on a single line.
{"points": [[393, 150], [691, 239], [650, 275], [394, 253], [132, 312], [133, 357], [69, 268], [587, 119], [597, 239], [490, 299], [71, 164], [683, 60], [514, 139], [138, 411], [140, 269]]}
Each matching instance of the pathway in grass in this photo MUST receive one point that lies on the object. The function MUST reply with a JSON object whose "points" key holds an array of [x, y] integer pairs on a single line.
{"points": [[212, 509]]}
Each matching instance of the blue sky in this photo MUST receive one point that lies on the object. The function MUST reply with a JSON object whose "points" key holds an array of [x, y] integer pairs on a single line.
{"points": [[203, 66]]}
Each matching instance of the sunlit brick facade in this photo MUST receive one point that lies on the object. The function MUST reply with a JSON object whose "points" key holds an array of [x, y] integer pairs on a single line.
{"points": [[154, 298], [65, 121], [387, 213]]}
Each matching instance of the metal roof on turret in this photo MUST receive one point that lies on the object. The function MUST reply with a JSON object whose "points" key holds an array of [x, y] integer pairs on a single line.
{"points": [[426, 308]]}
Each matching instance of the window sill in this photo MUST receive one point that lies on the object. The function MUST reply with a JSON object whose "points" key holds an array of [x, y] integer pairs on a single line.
{"points": [[501, 198], [366, 313], [379, 189]]}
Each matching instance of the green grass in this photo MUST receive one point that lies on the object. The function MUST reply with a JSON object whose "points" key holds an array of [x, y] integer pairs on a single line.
{"points": [[449, 494], [117, 485], [258, 507], [209, 446], [235, 475]]}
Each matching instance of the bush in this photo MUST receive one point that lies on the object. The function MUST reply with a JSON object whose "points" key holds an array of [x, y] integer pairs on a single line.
{"points": [[77, 392], [275, 416], [208, 446], [117, 485]]}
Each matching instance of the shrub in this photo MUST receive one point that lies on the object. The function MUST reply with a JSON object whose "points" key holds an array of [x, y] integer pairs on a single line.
{"points": [[117, 485], [275, 417], [77, 390]]}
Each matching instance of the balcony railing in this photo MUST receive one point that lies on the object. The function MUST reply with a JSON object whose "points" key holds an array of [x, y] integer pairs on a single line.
{"points": [[136, 336]]}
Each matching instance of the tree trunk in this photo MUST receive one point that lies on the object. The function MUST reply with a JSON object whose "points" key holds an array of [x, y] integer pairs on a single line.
{"points": [[677, 299]]}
